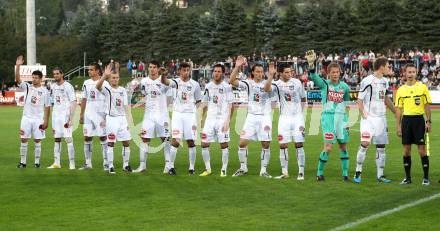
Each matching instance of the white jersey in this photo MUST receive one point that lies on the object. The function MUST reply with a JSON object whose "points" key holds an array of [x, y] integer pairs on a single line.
{"points": [[219, 98], [35, 100], [372, 93], [95, 98], [289, 94], [260, 102], [155, 95], [115, 100], [186, 95], [62, 96]]}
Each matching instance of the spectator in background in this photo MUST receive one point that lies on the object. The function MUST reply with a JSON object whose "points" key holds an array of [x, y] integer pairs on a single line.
{"points": [[129, 67], [134, 69], [141, 69]]}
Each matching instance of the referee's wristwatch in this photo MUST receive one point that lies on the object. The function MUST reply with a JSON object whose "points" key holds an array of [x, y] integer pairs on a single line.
{"points": [[428, 121]]}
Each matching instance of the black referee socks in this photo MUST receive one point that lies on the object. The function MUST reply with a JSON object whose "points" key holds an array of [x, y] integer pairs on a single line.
{"points": [[407, 165], [425, 165]]}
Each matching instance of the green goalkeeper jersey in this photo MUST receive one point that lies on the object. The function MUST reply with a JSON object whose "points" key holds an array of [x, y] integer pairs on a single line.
{"points": [[335, 97]]}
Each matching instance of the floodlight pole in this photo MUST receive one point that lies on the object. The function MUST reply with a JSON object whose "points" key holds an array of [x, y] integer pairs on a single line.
{"points": [[31, 46]]}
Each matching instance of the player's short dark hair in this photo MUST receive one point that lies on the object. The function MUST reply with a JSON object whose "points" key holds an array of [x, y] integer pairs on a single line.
{"points": [[155, 63], [409, 65], [283, 66], [380, 62], [219, 65], [256, 65], [97, 67], [38, 73], [58, 69], [184, 65]]}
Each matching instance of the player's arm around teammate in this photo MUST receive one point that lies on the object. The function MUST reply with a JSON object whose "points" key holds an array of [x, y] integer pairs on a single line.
{"points": [[412, 103]]}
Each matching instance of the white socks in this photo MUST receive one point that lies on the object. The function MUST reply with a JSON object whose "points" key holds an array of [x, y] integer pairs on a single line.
{"points": [[225, 158], [37, 153], [166, 153], [88, 147], [104, 152], [362, 152], [110, 157], [71, 153], [206, 159], [57, 153], [380, 161], [23, 152], [265, 157], [242, 157], [192, 157], [284, 161], [143, 154], [301, 158], [126, 156], [173, 153]]}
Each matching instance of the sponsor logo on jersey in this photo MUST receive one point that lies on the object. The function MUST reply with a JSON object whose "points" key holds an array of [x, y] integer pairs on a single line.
{"points": [[220, 90], [334, 96], [280, 137]]}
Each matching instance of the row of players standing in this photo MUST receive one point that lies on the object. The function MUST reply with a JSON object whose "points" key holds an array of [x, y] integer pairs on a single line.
{"points": [[104, 109]]}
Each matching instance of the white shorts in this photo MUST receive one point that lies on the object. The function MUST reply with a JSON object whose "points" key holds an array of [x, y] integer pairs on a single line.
{"points": [[212, 131], [291, 128], [31, 127], [117, 129], [184, 126], [257, 127], [374, 130], [94, 125], [59, 121], [155, 126]]}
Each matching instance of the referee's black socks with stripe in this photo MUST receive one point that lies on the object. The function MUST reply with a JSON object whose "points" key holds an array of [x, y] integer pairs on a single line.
{"points": [[425, 165], [407, 165]]}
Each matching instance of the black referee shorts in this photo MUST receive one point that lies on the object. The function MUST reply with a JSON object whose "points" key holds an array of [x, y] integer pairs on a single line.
{"points": [[413, 130]]}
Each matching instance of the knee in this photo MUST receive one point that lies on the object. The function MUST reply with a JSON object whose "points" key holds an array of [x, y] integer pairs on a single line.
{"points": [[380, 146], [67, 139], [224, 145], [299, 145], [24, 140], [283, 146], [365, 144], [37, 141], [265, 144], [205, 145], [111, 144], [126, 143], [86, 138], [328, 147], [190, 143], [175, 143], [103, 138]]}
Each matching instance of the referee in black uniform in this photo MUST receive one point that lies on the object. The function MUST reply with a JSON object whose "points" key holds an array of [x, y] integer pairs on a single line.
{"points": [[412, 102]]}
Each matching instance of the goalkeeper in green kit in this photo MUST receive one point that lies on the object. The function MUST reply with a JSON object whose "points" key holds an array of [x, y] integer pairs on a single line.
{"points": [[335, 96]]}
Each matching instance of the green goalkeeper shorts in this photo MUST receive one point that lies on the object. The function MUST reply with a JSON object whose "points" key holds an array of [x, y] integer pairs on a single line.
{"points": [[334, 128]]}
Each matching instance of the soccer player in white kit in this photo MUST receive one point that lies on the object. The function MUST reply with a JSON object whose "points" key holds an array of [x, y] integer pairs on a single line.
{"points": [[218, 98], [116, 111], [372, 101], [291, 126], [186, 97], [93, 117], [156, 122], [35, 113], [258, 124], [63, 102]]}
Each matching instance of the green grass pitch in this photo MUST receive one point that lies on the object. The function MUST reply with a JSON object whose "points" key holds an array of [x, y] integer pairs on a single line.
{"points": [[43, 199]]}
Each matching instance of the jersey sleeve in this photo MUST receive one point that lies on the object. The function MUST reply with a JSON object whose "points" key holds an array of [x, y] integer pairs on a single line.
{"points": [[173, 83], [24, 85], [243, 85], [71, 94], [205, 97], [346, 93], [125, 98], [398, 102], [47, 102], [84, 91], [363, 90], [197, 92], [302, 91], [319, 82]]}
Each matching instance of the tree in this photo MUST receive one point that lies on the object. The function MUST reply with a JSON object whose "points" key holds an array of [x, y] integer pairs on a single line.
{"points": [[267, 27]]}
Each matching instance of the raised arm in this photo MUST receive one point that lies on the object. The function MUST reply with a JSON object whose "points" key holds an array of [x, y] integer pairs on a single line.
{"points": [[18, 63], [164, 76], [311, 59], [268, 84], [234, 74], [105, 76]]}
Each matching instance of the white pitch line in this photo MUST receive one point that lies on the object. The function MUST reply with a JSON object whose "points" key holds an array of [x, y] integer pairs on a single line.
{"points": [[386, 213]]}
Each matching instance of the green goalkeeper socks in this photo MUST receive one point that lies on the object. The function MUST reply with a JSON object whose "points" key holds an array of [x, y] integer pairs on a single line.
{"points": [[323, 157], [344, 162]]}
